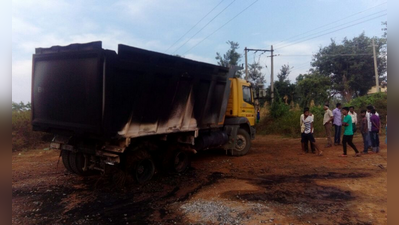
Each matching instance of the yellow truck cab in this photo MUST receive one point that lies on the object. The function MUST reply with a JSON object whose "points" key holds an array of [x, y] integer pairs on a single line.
{"points": [[240, 117], [241, 100]]}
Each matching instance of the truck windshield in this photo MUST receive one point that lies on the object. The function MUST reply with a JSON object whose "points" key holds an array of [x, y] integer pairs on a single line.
{"points": [[246, 93]]}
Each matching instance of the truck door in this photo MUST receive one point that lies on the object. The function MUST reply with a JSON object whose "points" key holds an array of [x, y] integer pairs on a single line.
{"points": [[246, 106]]}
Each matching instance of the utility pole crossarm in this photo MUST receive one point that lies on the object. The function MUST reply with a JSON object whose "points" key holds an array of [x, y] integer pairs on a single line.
{"points": [[258, 50], [271, 74]]}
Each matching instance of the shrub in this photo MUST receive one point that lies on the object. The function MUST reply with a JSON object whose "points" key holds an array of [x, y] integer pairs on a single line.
{"points": [[289, 124], [378, 100], [22, 135], [278, 109]]}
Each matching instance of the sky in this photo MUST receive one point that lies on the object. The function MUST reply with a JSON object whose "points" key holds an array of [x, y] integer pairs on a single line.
{"points": [[192, 29]]}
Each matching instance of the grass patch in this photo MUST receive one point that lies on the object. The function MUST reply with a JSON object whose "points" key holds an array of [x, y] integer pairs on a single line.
{"points": [[23, 137]]}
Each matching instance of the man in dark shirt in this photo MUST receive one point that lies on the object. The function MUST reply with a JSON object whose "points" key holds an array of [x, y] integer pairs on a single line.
{"points": [[375, 129], [364, 131]]}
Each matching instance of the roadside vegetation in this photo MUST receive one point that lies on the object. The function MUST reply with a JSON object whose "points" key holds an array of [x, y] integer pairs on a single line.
{"points": [[281, 119], [23, 137]]}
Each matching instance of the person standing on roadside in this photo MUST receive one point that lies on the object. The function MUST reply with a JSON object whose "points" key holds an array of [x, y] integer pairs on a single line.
{"points": [[348, 132], [337, 121], [353, 114], [307, 120], [364, 130], [368, 115], [375, 129], [327, 122], [304, 140]]}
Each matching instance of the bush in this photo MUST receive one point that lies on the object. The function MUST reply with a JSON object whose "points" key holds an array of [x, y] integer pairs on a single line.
{"points": [[22, 135], [278, 109], [288, 125], [378, 100]]}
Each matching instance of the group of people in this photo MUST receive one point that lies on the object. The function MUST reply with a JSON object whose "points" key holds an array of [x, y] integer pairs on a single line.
{"points": [[346, 117]]}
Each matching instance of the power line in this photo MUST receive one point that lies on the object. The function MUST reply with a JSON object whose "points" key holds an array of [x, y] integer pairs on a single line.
{"points": [[260, 56], [221, 26], [298, 68], [331, 23], [330, 55], [205, 25], [333, 31], [340, 25], [194, 25]]}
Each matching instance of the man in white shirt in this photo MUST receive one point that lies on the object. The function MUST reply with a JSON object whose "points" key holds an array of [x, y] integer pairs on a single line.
{"points": [[368, 115], [304, 140], [353, 114], [307, 134]]}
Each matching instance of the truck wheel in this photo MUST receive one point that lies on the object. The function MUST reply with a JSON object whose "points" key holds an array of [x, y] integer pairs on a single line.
{"points": [[77, 162], [65, 160], [243, 143], [140, 165], [181, 161]]}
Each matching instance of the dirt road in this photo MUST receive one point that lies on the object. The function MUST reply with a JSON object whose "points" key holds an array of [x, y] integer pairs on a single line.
{"points": [[270, 185]]}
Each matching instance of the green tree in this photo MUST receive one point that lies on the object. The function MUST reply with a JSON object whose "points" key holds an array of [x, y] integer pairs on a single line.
{"points": [[313, 86], [283, 86], [255, 75], [257, 79], [284, 72], [350, 65], [21, 106], [231, 57]]}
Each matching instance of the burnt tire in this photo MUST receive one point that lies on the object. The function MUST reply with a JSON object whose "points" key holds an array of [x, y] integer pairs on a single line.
{"points": [[243, 143], [181, 161], [74, 162], [140, 166], [175, 160], [65, 160]]}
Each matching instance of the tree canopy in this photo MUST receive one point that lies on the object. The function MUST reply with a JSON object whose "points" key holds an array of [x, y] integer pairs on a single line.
{"points": [[283, 86], [231, 57], [21, 106], [284, 72], [313, 86], [255, 75], [350, 65]]}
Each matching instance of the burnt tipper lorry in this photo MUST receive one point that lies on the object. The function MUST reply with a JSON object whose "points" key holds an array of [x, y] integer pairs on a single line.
{"points": [[138, 110]]}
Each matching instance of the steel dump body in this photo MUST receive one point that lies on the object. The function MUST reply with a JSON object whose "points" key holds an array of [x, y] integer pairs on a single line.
{"points": [[84, 90]]}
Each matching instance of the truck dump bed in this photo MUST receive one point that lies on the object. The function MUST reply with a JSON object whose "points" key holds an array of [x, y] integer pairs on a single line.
{"points": [[84, 90]]}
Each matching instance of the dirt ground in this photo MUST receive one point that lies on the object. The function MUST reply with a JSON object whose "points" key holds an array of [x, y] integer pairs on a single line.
{"points": [[273, 184]]}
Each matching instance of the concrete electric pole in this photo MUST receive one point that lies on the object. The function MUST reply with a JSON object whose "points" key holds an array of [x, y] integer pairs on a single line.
{"points": [[377, 85], [271, 75], [246, 64]]}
